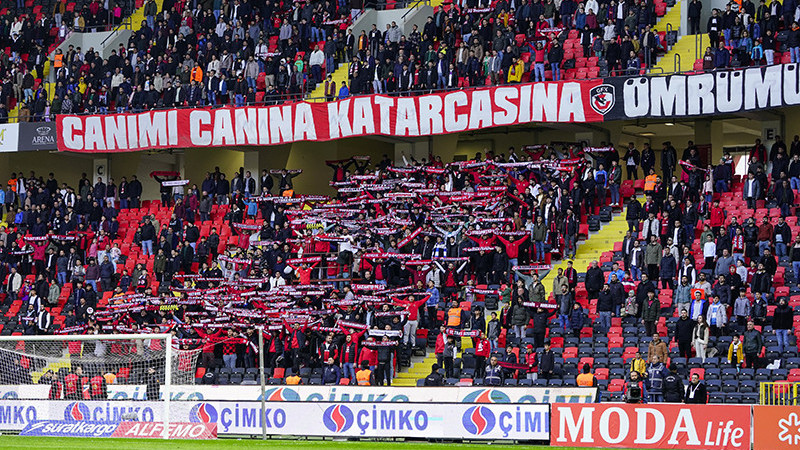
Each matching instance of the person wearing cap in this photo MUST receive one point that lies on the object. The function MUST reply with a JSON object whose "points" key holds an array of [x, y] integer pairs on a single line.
{"points": [[532, 360], [434, 378], [672, 385]]}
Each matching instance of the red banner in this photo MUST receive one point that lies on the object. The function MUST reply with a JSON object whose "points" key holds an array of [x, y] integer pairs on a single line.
{"points": [[661, 426], [776, 427], [437, 113], [177, 430]]}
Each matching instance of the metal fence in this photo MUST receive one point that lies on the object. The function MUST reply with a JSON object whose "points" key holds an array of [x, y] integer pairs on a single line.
{"points": [[782, 393]]}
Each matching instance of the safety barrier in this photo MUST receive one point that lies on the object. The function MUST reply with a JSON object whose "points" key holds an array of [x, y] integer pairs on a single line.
{"points": [[781, 393]]}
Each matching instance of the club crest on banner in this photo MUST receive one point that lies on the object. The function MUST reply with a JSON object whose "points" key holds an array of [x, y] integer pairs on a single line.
{"points": [[602, 98]]}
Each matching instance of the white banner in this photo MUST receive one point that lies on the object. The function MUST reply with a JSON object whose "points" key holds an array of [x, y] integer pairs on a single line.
{"points": [[411, 420], [344, 394], [9, 137], [174, 183], [349, 394], [16, 414]]}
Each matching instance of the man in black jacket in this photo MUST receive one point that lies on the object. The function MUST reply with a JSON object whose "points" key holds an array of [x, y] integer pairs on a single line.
{"points": [[594, 280], [499, 265], [642, 289], [434, 378], [134, 192], [634, 214], [696, 391], [683, 334], [782, 321], [547, 362], [540, 319], [605, 307], [695, 8], [147, 233], [673, 386]]}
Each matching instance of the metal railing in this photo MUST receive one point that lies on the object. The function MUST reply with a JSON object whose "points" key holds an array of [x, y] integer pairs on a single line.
{"points": [[413, 6], [124, 25], [698, 46], [782, 393], [676, 62]]}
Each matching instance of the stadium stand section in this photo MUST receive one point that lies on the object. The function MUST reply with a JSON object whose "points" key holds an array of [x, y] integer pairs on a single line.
{"points": [[230, 53], [408, 254]]}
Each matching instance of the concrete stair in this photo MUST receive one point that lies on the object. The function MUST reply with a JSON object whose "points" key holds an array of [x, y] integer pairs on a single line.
{"points": [[418, 370], [685, 47], [590, 249], [422, 367], [55, 366], [339, 75], [672, 17]]}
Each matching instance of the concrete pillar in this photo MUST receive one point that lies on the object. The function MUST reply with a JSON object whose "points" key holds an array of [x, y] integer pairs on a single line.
{"points": [[709, 132], [180, 164], [251, 163], [615, 135], [100, 169], [770, 129]]}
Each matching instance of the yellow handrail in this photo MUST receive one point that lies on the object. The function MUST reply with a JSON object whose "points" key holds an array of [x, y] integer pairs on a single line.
{"points": [[782, 393]]}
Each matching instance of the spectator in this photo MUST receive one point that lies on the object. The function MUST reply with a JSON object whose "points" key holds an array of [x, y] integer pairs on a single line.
{"points": [[651, 310], [635, 391], [605, 307], [434, 378], [735, 355], [696, 391], [753, 343], [586, 378], [547, 367], [494, 373], [656, 372], [658, 348], [700, 337], [782, 322], [673, 388]]}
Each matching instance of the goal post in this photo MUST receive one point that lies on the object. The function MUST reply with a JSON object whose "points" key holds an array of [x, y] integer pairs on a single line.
{"points": [[91, 367]]}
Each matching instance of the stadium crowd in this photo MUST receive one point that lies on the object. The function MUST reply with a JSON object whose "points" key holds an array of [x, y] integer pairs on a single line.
{"points": [[419, 254], [236, 53]]}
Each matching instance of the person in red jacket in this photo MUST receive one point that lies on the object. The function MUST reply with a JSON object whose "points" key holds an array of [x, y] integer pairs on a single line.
{"points": [[532, 361], [438, 348], [349, 354], [296, 342], [483, 349], [97, 388], [304, 273], [73, 390], [717, 220], [512, 248], [209, 341], [410, 328], [369, 355]]}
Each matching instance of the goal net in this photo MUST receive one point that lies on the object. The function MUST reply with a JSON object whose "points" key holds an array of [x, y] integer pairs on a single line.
{"points": [[92, 379]]}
